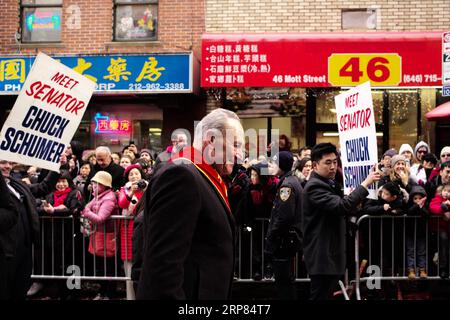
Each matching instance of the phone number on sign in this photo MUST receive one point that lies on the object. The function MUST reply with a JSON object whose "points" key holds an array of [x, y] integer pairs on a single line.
{"points": [[420, 78], [156, 86]]}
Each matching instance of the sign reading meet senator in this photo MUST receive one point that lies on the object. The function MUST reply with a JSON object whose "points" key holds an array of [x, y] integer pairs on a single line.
{"points": [[46, 114]]}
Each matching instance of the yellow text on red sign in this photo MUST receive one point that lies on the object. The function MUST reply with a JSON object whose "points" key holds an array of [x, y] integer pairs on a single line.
{"points": [[356, 68]]}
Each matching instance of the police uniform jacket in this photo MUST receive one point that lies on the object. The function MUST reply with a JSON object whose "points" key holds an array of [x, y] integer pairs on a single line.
{"points": [[286, 212], [188, 238], [323, 224]]}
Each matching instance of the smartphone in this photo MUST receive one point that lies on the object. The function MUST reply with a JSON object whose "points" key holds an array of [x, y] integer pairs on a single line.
{"points": [[44, 202]]}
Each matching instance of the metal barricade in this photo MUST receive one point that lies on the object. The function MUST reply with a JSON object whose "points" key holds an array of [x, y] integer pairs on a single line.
{"points": [[387, 242], [64, 253], [67, 253], [251, 262]]}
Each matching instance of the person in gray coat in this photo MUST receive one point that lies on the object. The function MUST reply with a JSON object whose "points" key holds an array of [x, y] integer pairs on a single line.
{"points": [[323, 220]]}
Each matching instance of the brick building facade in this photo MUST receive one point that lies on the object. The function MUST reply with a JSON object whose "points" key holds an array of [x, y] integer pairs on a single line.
{"points": [[87, 28], [320, 15]]}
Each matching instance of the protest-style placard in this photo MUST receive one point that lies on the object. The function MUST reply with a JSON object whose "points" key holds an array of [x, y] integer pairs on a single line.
{"points": [[357, 136], [46, 114]]}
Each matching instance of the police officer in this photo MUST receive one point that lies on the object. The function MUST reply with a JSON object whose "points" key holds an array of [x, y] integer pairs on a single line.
{"points": [[283, 239]]}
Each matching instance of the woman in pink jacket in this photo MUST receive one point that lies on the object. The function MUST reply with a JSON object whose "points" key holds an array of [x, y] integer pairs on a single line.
{"points": [[102, 242], [129, 196]]}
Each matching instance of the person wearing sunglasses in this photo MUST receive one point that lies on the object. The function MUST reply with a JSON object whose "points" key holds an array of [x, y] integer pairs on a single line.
{"points": [[417, 171], [445, 154], [420, 150]]}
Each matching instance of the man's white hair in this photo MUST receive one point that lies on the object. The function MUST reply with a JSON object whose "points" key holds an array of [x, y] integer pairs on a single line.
{"points": [[217, 120], [103, 149]]}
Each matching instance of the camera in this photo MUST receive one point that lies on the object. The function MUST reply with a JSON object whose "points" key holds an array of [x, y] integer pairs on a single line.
{"points": [[141, 184]]}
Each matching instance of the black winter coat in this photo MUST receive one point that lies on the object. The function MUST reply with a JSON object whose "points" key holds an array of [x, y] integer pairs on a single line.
{"points": [[38, 190], [285, 217], [8, 219], [323, 224], [114, 170], [188, 238]]}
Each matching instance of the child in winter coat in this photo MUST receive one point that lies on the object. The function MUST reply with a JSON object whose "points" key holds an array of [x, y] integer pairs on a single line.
{"points": [[445, 194], [390, 201], [416, 232], [440, 206], [80, 180]]}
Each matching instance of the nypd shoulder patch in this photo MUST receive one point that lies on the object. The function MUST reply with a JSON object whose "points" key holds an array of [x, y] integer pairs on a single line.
{"points": [[285, 193]]}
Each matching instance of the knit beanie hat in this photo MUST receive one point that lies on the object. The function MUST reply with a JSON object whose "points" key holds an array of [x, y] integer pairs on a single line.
{"points": [[131, 167], [145, 151], [396, 159], [405, 147], [285, 160], [445, 150], [390, 153], [419, 145], [416, 189]]}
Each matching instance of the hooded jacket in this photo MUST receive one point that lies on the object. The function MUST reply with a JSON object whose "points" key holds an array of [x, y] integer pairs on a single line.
{"points": [[419, 145], [414, 209]]}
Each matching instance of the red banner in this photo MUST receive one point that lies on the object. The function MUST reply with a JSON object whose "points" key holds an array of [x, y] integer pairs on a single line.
{"points": [[387, 59]]}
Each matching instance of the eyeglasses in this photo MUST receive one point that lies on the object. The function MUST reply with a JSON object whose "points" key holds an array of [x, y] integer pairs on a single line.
{"points": [[445, 155], [422, 151]]}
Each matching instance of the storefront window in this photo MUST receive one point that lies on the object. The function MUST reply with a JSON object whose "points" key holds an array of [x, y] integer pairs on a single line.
{"points": [[377, 100], [135, 20], [427, 103], [326, 121], [402, 117], [326, 109], [145, 126], [255, 124], [41, 20]]}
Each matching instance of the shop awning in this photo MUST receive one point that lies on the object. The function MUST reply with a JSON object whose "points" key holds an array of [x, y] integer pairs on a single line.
{"points": [[440, 113], [387, 59]]}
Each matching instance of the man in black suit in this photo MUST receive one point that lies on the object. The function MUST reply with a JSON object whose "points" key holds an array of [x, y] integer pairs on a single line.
{"points": [[8, 219], [188, 226], [18, 240], [323, 223]]}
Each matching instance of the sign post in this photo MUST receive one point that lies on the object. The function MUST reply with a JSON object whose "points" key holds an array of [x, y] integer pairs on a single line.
{"points": [[357, 136], [446, 64], [46, 114]]}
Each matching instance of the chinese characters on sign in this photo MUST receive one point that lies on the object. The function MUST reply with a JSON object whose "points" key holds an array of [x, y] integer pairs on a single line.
{"points": [[229, 64], [137, 73], [321, 60], [106, 125]]}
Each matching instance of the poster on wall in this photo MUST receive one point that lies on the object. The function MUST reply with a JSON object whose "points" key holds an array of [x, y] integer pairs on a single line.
{"points": [[357, 136], [46, 114]]}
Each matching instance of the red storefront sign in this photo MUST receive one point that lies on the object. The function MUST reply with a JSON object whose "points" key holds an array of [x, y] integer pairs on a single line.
{"points": [[387, 59]]}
